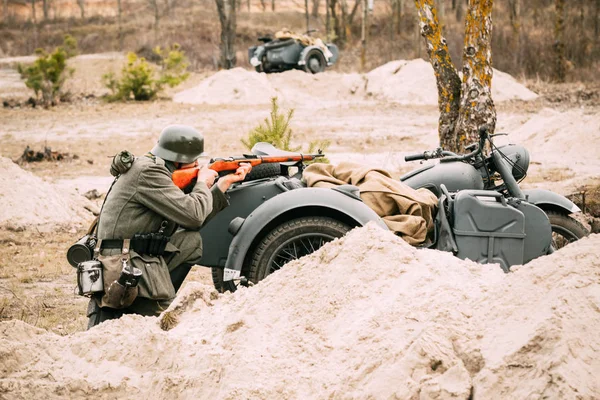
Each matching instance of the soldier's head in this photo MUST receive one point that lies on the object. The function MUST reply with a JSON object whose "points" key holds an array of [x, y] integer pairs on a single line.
{"points": [[180, 144]]}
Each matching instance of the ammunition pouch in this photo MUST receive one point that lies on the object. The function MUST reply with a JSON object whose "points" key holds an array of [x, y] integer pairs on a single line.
{"points": [[152, 244], [120, 278]]}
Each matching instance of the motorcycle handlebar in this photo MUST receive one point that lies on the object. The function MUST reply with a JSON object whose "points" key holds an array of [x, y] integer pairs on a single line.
{"points": [[448, 156], [414, 157]]}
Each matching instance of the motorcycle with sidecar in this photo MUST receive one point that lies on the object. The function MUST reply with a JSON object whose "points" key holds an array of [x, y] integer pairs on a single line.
{"points": [[292, 52], [483, 214]]}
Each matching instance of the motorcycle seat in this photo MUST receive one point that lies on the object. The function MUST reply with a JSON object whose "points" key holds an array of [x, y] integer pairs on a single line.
{"points": [[267, 149]]}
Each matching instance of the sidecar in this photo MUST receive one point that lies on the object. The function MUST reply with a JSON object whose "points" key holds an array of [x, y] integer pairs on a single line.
{"points": [[283, 54], [275, 219]]}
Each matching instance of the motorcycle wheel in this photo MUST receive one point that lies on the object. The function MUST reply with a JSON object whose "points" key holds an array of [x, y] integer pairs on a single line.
{"points": [[315, 62], [565, 229], [290, 241]]}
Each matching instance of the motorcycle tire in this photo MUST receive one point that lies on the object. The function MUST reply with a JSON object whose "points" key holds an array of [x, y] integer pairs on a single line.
{"points": [[290, 241], [315, 62], [565, 229], [286, 234]]}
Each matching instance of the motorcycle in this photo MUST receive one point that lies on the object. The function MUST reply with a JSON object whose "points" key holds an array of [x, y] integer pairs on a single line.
{"points": [[478, 171], [483, 215], [292, 52]]}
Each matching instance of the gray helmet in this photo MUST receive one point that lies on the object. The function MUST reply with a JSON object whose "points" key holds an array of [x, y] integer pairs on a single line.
{"points": [[179, 143], [519, 157]]}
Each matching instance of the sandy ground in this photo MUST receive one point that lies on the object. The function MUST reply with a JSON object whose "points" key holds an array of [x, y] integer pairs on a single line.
{"points": [[440, 337], [423, 325]]}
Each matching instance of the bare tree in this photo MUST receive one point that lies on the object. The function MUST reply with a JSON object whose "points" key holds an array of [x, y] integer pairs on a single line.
{"points": [[156, 10], [315, 8], [81, 4], [5, 10], [120, 23], [273, 5], [46, 8], [363, 36], [464, 106], [227, 17], [514, 12], [597, 21], [306, 15], [33, 15], [559, 44], [457, 6]]}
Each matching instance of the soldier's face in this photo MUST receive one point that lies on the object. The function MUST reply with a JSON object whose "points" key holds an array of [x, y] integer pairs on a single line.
{"points": [[188, 165]]}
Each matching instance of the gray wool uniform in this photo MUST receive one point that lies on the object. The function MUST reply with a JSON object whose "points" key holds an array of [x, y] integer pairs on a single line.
{"points": [[138, 203]]}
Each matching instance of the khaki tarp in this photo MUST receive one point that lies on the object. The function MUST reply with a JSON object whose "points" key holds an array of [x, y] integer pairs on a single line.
{"points": [[407, 212], [305, 40]]}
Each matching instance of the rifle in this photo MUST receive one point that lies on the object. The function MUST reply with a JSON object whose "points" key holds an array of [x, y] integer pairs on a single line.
{"points": [[183, 177]]}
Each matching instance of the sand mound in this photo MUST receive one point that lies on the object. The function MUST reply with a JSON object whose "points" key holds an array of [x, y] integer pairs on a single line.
{"points": [[27, 200], [367, 316], [234, 86], [413, 82], [320, 89], [404, 82]]}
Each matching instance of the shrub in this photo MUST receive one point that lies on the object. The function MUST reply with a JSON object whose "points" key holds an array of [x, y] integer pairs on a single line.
{"points": [[276, 130], [140, 80], [48, 73]]}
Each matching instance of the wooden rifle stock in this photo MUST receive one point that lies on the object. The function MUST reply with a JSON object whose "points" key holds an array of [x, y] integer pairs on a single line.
{"points": [[184, 177]]}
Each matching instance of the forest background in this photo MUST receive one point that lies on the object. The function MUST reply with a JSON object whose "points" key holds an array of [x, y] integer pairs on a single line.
{"points": [[547, 40]]}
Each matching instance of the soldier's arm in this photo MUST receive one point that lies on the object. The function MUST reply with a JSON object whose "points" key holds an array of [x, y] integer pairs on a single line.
{"points": [[157, 192]]}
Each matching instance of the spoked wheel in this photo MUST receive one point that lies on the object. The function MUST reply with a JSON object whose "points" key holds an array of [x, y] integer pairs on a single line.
{"points": [[315, 62], [565, 229], [290, 241]]}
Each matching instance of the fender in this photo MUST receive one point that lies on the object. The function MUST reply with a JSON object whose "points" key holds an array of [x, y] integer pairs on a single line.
{"points": [[256, 57], [302, 58], [336, 200], [542, 197]]}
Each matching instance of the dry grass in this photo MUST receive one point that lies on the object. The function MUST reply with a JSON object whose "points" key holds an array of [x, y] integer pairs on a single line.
{"points": [[550, 175], [37, 285]]}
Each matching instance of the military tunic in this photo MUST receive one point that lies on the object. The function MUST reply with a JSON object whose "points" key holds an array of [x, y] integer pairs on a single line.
{"points": [[139, 201]]}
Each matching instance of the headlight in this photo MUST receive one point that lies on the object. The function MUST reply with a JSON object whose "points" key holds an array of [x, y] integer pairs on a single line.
{"points": [[254, 61]]}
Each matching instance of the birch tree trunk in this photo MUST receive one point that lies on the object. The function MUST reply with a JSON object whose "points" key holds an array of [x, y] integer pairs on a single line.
{"points": [[446, 76], [476, 105], [227, 18], [464, 106]]}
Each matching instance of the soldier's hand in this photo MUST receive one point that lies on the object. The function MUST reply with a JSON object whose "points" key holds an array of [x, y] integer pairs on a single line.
{"points": [[207, 176], [239, 175]]}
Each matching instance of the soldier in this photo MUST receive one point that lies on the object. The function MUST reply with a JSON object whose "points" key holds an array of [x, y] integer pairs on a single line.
{"points": [[144, 201]]}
